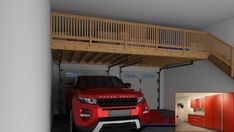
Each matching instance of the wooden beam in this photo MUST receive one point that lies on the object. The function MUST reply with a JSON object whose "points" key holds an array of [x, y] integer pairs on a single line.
{"points": [[81, 57], [98, 58], [100, 61], [104, 61], [73, 56], [91, 57], [113, 58]]}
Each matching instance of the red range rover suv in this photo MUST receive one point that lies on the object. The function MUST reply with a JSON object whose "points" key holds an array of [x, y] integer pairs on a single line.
{"points": [[101, 103]]}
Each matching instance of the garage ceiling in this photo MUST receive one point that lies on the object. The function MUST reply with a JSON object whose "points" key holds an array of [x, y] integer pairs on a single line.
{"points": [[197, 14]]}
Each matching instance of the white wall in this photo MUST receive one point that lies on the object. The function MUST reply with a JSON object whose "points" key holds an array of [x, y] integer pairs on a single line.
{"points": [[203, 76], [223, 30], [25, 67]]}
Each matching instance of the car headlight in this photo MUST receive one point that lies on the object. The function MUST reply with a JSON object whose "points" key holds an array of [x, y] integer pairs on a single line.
{"points": [[140, 99], [87, 100]]}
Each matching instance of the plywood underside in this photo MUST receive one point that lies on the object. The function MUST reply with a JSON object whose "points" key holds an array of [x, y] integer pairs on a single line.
{"points": [[81, 57]]}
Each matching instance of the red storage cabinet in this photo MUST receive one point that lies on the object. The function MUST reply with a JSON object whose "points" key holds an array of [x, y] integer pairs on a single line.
{"points": [[196, 120], [209, 112], [197, 103], [217, 112], [228, 112], [192, 103], [202, 102]]}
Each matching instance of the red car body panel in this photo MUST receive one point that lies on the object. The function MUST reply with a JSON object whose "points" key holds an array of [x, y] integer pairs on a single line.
{"points": [[96, 111]]}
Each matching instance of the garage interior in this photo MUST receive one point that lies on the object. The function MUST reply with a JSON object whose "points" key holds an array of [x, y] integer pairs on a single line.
{"points": [[161, 48]]}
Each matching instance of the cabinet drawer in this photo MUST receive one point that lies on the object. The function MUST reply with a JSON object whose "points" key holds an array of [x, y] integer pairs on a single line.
{"points": [[196, 120]]}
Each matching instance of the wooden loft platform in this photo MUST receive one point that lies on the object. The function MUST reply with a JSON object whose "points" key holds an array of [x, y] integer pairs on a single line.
{"points": [[91, 40]]}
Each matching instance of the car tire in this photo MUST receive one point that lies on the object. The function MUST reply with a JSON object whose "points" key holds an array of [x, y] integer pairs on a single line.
{"points": [[67, 111], [72, 125], [138, 130]]}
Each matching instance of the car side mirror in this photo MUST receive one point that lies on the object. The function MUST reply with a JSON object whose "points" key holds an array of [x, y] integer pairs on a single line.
{"points": [[128, 85]]}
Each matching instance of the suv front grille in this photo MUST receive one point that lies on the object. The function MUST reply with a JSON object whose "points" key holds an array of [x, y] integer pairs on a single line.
{"points": [[117, 102]]}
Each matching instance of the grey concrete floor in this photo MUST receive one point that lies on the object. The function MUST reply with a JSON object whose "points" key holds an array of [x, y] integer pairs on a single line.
{"points": [[186, 127], [61, 124]]}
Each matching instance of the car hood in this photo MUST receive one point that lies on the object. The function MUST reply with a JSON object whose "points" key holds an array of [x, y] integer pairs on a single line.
{"points": [[99, 93]]}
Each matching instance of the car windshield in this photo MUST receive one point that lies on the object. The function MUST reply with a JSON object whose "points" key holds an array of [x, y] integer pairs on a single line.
{"points": [[85, 82]]}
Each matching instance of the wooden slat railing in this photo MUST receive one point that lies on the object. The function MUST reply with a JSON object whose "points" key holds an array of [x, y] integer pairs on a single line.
{"points": [[66, 26], [220, 49], [99, 30]]}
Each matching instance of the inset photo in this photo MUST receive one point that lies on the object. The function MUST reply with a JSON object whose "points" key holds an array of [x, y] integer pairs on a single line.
{"points": [[204, 112]]}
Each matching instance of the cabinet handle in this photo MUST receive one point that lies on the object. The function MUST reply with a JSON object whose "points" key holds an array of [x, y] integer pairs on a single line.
{"points": [[195, 119]]}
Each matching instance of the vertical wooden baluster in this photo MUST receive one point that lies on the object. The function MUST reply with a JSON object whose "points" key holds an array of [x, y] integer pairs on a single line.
{"points": [[105, 30], [136, 39], [65, 25], [68, 26], [176, 38], [57, 25], [82, 27], [79, 26], [108, 32], [51, 24], [119, 30], [98, 30], [85, 27], [152, 37], [184, 40], [125, 35], [94, 28], [135, 33], [55, 20], [77, 30], [138, 33], [90, 31], [232, 61], [172, 37], [155, 36], [130, 32], [123, 32], [111, 30], [148, 34], [115, 30], [72, 26], [62, 24]]}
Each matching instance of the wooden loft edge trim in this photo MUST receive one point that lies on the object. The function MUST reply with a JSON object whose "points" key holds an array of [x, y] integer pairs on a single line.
{"points": [[119, 49]]}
